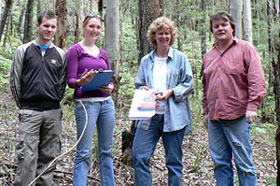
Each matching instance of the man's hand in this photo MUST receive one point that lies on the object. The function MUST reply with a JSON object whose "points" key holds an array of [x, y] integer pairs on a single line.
{"points": [[205, 121], [251, 116]]}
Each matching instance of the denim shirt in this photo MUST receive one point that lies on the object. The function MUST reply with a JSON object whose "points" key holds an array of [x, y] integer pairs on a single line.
{"points": [[179, 78]]}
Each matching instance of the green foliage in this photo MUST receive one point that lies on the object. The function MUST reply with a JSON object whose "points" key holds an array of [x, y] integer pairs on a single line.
{"points": [[196, 162], [4, 70], [270, 181]]}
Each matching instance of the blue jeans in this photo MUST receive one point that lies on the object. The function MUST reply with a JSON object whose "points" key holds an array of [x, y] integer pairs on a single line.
{"points": [[144, 144], [227, 137], [102, 115]]}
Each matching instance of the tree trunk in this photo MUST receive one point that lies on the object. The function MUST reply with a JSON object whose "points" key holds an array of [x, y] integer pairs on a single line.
{"points": [[0, 7], [20, 20], [6, 14], [276, 71], [39, 9], [61, 12], [176, 19], [7, 30], [148, 11], [28, 23], [247, 21], [100, 7], [276, 67], [276, 8], [202, 31], [90, 6], [79, 14], [112, 33], [235, 9], [112, 40]]}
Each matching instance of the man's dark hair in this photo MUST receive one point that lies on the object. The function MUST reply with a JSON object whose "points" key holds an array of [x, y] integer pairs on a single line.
{"points": [[47, 14], [222, 15]]}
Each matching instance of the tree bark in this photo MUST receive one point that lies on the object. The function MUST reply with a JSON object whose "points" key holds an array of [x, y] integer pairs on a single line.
{"points": [[6, 14], [39, 9], [112, 40], [176, 19], [7, 30], [90, 6], [247, 21], [112, 33], [100, 7], [276, 71], [61, 12], [79, 14], [148, 11], [276, 8], [235, 9], [202, 32], [20, 20], [28, 23], [0, 8], [276, 67]]}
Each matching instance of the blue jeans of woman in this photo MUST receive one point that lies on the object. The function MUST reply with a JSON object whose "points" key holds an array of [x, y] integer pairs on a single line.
{"points": [[144, 144], [102, 116], [227, 138]]}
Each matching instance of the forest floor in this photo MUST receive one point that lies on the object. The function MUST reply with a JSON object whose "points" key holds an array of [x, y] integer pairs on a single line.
{"points": [[198, 166]]}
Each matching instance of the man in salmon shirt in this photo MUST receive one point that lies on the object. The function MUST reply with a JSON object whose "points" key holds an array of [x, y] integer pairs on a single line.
{"points": [[233, 88]]}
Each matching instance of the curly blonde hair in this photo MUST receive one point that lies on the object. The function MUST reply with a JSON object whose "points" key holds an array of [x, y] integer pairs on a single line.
{"points": [[159, 24]]}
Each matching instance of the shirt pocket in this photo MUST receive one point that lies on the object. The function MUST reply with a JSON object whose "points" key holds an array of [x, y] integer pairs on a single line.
{"points": [[233, 67]]}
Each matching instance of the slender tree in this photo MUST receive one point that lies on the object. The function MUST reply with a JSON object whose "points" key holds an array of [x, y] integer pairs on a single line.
{"points": [[100, 7], [276, 8], [112, 40], [79, 14], [61, 12], [39, 7], [202, 31], [276, 71], [235, 9], [6, 14], [0, 7], [112, 33], [7, 29], [28, 22], [247, 21], [276, 67], [90, 6], [20, 20]]}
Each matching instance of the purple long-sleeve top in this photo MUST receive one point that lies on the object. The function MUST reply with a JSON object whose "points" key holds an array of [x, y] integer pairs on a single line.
{"points": [[77, 62]]}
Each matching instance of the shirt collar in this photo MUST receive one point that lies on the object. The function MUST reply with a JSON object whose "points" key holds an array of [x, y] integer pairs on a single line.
{"points": [[38, 44], [235, 41], [170, 53]]}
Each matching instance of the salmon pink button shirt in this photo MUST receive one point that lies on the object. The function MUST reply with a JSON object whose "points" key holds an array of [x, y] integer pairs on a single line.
{"points": [[233, 81]]}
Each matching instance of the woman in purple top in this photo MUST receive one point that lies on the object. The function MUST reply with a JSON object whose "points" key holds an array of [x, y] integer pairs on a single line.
{"points": [[84, 59]]}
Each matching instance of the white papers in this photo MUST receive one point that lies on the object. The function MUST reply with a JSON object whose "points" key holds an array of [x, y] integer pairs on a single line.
{"points": [[143, 105]]}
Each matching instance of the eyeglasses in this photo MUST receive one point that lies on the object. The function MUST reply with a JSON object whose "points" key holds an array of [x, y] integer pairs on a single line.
{"points": [[92, 16]]}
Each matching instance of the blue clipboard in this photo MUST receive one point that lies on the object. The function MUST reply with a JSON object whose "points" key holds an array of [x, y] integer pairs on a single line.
{"points": [[100, 79]]}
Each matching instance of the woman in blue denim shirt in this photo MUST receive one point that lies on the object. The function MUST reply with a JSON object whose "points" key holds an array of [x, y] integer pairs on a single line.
{"points": [[168, 71]]}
